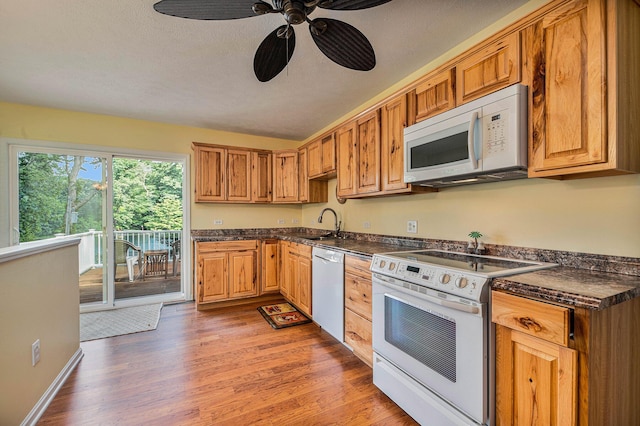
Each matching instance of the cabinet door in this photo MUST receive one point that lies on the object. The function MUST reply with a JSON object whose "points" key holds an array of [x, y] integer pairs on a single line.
{"points": [[394, 120], [314, 152], [283, 271], [304, 285], [368, 153], [536, 380], [303, 182], [328, 154], [261, 177], [433, 96], [285, 176], [243, 268], [346, 147], [566, 56], [291, 276], [213, 283], [238, 175], [494, 67], [358, 335], [269, 266], [210, 165]]}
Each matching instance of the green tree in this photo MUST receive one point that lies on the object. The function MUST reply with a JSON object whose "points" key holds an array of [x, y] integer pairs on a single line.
{"points": [[41, 195], [147, 194]]}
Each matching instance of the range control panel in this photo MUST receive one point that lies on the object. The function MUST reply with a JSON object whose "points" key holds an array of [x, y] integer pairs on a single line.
{"points": [[450, 281]]}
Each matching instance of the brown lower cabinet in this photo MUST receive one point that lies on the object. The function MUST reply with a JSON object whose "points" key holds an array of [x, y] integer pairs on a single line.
{"points": [[357, 307], [295, 275], [226, 270], [560, 365]]}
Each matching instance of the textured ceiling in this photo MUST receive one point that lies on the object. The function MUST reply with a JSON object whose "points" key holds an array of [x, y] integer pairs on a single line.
{"points": [[121, 58]]}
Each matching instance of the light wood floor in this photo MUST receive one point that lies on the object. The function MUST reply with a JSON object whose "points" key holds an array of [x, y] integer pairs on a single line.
{"points": [[221, 367]]}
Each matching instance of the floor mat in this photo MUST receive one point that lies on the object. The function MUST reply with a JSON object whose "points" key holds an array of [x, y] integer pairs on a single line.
{"points": [[282, 315], [116, 322]]}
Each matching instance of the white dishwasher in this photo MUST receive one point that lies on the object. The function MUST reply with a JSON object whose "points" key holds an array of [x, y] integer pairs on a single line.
{"points": [[328, 291]]}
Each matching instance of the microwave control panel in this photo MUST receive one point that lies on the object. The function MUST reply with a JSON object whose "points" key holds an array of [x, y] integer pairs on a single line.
{"points": [[495, 132]]}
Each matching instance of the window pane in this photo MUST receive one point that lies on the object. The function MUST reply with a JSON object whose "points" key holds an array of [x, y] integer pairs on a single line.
{"points": [[58, 195]]}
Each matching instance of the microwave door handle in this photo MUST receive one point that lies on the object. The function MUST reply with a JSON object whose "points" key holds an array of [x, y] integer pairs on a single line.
{"points": [[471, 141]]}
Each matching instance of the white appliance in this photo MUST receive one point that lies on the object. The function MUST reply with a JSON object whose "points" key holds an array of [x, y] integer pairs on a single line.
{"points": [[327, 291], [431, 332], [483, 140]]}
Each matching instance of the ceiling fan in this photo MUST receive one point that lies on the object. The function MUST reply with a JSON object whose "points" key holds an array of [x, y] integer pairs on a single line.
{"points": [[339, 41]]}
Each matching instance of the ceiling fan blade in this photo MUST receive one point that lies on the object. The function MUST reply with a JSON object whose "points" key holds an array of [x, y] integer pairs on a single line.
{"points": [[274, 53], [343, 44], [207, 9], [350, 4]]}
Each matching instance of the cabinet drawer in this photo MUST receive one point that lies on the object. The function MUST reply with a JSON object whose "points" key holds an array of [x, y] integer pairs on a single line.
{"points": [[356, 265], [543, 320], [357, 334], [227, 245], [357, 294]]}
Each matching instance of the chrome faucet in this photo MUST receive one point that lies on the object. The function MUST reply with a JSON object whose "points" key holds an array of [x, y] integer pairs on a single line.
{"points": [[337, 230]]}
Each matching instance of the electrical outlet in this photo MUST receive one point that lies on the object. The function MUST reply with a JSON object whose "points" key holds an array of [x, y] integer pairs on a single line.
{"points": [[35, 352], [412, 226], [217, 221], [294, 221], [281, 221], [366, 225]]}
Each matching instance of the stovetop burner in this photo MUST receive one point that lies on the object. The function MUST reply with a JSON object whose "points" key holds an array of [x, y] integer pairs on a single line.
{"points": [[461, 274]]}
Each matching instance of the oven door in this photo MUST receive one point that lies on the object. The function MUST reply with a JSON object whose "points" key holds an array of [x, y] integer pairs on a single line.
{"points": [[438, 340]]}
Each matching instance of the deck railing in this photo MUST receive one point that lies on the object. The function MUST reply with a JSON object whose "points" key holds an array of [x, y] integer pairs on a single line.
{"points": [[90, 250]]}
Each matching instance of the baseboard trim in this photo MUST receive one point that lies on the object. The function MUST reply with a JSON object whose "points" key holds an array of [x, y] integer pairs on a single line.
{"points": [[38, 410]]}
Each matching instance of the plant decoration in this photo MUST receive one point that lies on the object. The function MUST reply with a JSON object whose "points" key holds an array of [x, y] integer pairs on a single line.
{"points": [[474, 245]]}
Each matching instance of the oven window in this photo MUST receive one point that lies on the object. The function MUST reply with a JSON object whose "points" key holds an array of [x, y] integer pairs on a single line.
{"points": [[442, 151], [424, 336]]}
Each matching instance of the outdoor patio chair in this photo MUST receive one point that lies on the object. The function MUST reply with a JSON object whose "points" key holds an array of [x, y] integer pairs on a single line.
{"points": [[175, 255], [123, 256]]}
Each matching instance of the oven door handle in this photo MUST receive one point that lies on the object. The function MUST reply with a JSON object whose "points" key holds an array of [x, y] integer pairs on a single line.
{"points": [[458, 306]]}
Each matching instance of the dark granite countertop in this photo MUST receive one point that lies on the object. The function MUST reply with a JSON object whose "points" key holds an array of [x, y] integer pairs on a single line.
{"points": [[571, 286], [583, 280]]}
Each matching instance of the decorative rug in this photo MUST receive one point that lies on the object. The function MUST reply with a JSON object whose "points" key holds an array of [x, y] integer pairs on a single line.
{"points": [[282, 315], [116, 322]]}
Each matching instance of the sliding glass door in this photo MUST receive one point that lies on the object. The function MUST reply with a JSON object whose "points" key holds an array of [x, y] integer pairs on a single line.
{"points": [[127, 211], [148, 225]]}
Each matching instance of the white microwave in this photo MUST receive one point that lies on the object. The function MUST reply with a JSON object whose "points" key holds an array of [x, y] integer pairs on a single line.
{"points": [[483, 140]]}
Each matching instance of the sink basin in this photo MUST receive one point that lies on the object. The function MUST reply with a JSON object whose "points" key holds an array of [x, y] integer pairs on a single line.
{"points": [[319, 237]]}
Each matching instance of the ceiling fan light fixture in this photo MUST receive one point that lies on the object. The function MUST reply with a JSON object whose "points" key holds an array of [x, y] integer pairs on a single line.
{"points": [[295, 12]]}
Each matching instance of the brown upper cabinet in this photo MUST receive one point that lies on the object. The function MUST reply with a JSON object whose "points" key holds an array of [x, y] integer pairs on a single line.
{"points": [[433, 95], [261, 176], [493, 67], [222, 174], [285, 176], [582, 60], [242, 175], [358, 146], [322, 157], [309, 190]]}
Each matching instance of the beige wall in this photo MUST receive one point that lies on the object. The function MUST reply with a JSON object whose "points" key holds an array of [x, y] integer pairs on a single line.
{"points": [[598, 215], [36, 302]]}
